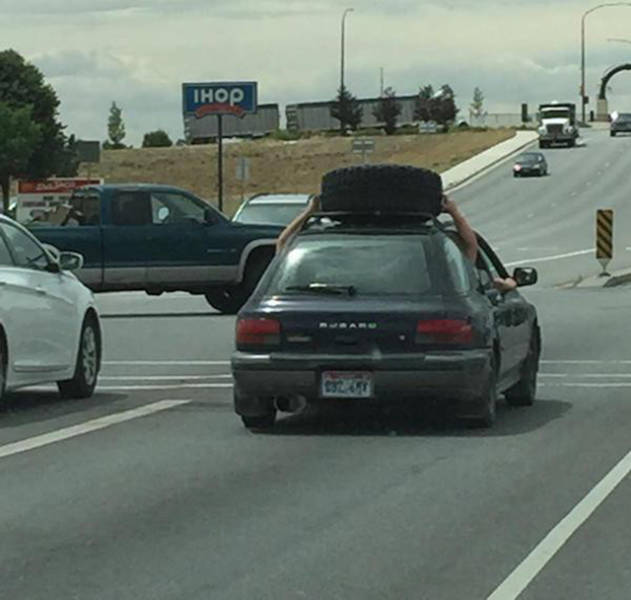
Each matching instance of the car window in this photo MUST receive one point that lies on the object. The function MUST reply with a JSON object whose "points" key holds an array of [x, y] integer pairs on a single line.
{"points": [[27, 252], [85, 210], [456, 266], [131, 208], [269, 214], [169, 208], [494, 264], [402, 262], [5, 256]]}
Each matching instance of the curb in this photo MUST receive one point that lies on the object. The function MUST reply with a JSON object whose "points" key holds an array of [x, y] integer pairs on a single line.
{"points": [[488, 166], [617, 280]]}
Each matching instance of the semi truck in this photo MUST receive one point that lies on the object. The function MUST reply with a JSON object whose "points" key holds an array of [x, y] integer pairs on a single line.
{"points": [[557, 124]]}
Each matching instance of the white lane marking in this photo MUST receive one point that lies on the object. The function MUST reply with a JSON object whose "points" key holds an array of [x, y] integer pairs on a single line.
{"points": [[550, 258], [588, 385], [141, 388], [528, 569], [192, 386], [87, 427], [586, 362], [588, 375], [162, 377], [166, 362]]}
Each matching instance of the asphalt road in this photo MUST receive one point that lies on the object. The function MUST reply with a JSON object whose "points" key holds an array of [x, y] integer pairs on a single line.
{"points": [[153, 490]]}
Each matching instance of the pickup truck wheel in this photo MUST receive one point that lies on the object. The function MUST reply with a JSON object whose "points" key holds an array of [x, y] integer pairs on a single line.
{"points": [[87, 367], [230, 299], [227, 300]]}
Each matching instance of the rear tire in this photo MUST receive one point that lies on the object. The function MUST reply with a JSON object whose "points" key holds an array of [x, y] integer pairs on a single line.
{"points": [[384, 188], [489, 399], [612, 133], [86, 372], [260, 421], [524, 392], [4, 361]]}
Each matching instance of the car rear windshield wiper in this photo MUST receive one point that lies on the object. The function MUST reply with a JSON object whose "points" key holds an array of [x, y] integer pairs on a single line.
{"points": [[323, 288]]}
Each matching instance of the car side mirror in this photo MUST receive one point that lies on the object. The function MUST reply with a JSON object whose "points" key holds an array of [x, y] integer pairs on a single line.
{"points": [[525, 276], [70, 261]]}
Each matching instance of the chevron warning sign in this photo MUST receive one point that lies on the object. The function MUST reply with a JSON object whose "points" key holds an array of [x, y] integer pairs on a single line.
{"points": [[604, 234]]}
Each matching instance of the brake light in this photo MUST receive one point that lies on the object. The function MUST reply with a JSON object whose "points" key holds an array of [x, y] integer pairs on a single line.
{"points": [[448, 331], [517, 167], [258, 332]]}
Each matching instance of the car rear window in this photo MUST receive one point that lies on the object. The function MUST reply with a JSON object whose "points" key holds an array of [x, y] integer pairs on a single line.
{"points": [[372, 264]]}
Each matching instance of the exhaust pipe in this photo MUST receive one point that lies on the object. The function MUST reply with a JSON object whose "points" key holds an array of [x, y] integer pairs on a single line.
{"points": [[292, 404]]}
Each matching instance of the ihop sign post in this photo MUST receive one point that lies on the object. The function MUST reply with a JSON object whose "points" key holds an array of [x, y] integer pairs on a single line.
{"points": [[203, 100]]}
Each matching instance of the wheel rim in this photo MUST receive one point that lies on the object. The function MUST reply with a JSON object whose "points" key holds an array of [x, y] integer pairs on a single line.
{"points": [[89, 355]]}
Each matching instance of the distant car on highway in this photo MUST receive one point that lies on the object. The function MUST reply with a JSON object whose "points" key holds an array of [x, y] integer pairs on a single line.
{"points": [[530, 163], [321, 326], [49, 325], [621, 124], [271, 209]]}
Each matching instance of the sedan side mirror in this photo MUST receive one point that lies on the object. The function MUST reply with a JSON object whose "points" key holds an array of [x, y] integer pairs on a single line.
{"points": [[525, 276], [70, 261]]}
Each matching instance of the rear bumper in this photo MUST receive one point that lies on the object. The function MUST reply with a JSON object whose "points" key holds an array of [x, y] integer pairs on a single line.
{"points": [[458, 376]]}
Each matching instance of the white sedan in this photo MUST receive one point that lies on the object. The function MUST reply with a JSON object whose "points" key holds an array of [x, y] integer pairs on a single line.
{"points": [[49, 325]]}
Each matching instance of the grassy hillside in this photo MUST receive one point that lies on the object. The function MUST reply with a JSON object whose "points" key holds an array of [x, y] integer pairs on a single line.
{"points": [[277, 166]]}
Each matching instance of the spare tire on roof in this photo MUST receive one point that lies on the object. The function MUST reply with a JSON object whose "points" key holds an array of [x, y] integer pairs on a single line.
{"points": [[384, 188]]}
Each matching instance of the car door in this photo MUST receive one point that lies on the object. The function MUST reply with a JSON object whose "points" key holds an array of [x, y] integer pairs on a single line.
{"points": [[518, 332], [41, 313], [178, 249], [126, 240]]}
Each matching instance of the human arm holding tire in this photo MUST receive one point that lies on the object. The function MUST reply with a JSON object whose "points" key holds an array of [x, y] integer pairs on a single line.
{"points": [[295, 226], [465, 231]]}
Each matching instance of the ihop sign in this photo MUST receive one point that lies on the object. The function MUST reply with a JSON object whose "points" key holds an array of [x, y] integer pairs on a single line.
{"points": [[221, 98]]}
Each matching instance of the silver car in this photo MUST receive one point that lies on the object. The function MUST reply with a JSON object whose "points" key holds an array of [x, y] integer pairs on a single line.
{"points": [[271, 209]]}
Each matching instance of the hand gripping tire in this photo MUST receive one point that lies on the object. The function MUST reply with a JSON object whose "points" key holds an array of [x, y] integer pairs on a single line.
{"points": [[384, 188]]}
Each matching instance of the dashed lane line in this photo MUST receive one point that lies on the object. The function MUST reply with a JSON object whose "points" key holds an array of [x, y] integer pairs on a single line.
{"points": [[164, 363], [545, 550], [89, 426], [550, 258]]}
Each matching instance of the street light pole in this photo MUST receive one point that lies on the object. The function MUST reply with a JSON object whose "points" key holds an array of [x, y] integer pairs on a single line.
{"points": [[591, 10], [348, 10]]}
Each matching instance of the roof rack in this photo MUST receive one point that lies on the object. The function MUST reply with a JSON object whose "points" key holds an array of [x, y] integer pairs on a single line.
{"points": [[371, 218]]}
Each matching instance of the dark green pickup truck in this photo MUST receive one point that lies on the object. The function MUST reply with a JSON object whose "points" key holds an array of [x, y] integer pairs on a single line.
{"points": [[159, 239]]}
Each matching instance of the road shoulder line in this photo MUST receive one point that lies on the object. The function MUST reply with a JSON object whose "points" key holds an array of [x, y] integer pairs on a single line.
{"points": [[529, 568], [89, 426]]}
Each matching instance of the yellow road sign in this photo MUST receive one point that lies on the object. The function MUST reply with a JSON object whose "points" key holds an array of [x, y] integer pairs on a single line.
{"points": [[604, 234]]}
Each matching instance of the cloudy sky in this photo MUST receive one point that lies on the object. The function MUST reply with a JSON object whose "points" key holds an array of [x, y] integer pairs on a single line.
{"points": [[138, 52]]}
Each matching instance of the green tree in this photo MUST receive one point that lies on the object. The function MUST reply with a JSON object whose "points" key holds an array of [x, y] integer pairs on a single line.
{"points": [[439, 107], [115, 129], [22, 86], [19, 136], [157, 139], [477, 106], [346, 109], [388, 110]]}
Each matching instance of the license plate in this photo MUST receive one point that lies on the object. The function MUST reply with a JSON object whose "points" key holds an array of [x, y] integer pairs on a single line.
{"points": [[346, 384]]}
